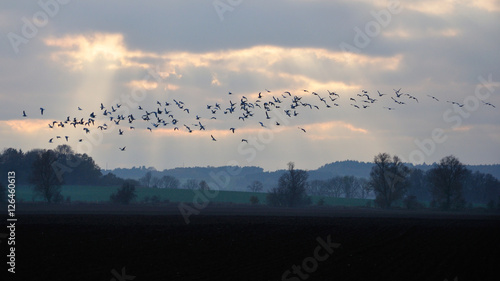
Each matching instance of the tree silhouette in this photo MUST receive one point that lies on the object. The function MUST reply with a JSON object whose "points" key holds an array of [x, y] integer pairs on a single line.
{"points": [[44, 177], [291, 190], [190, 184], [204, 185], [256, 186], [125, 194], [146, 180], [446, 180], [169, 182], [389, 179]]}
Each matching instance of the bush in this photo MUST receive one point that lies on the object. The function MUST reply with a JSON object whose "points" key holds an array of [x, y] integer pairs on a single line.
{"points": [[321, 202], [491, 204], [125, 194], [411, 203], [254, 200], [155, 199]]}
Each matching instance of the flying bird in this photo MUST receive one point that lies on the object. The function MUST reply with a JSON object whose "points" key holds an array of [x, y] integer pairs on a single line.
{"points": [[433, 97], [41, 110], [122, 148], [24, 114], [304, 130], [213, 138]]}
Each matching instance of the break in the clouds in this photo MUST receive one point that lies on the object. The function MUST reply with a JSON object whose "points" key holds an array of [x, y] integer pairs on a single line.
{"points": [[61, 55]]}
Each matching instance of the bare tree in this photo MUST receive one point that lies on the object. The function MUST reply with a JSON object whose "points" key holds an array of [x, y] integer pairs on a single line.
{"points": [[204, 185], [389, 179], [291, 190], [190, 184], [332, 188], [146, 179], [256, 186], [169, 182], [446, 180], [44, 177]]}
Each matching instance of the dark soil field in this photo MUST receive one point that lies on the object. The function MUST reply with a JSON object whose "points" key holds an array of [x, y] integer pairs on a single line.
{"points": [[93, 242]]}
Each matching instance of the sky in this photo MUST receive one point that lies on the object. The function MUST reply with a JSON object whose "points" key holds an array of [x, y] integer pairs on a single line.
{"points": [[65, 55]]}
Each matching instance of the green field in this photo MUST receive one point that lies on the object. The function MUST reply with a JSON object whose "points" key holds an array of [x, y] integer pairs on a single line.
{"points": [[101, 194]]}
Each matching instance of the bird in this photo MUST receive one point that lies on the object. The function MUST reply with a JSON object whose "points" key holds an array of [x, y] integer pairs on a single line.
{"points": [[41, 110], [244, 140], [304, 130], [380, 94], [232, 129], [51, 140], [397, 92], [456, 103], [122, 148], [213, 138], [66, 138], [487, 103], [433, 97], [24, 114]]}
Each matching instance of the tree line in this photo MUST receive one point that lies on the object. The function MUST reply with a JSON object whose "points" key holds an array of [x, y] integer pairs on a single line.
{"points": [[447, 185]]}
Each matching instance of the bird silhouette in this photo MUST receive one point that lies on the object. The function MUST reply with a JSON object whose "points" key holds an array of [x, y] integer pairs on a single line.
{"points": [[213, 138], [122, 148], [41, 110], [24, 114]]}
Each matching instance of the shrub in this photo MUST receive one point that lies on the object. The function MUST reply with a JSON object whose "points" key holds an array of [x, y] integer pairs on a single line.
{"points": [[125, 194], [491, 204], [254, 200], [411, 202], [155, 199], [321, 202]]}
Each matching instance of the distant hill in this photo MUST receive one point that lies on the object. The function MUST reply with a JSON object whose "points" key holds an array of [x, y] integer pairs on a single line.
{"points": [[241, 177]]}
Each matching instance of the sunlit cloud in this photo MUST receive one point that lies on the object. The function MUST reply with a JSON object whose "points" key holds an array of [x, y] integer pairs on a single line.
{"points": [[28, 126], [77, 50], [420, 34]]}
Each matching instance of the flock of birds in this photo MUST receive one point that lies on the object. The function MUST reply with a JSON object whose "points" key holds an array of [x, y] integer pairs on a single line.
{"points": [[166, 114]]}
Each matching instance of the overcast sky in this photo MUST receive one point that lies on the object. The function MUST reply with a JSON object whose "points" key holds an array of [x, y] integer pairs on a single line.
{"points": [[70, 54]]}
